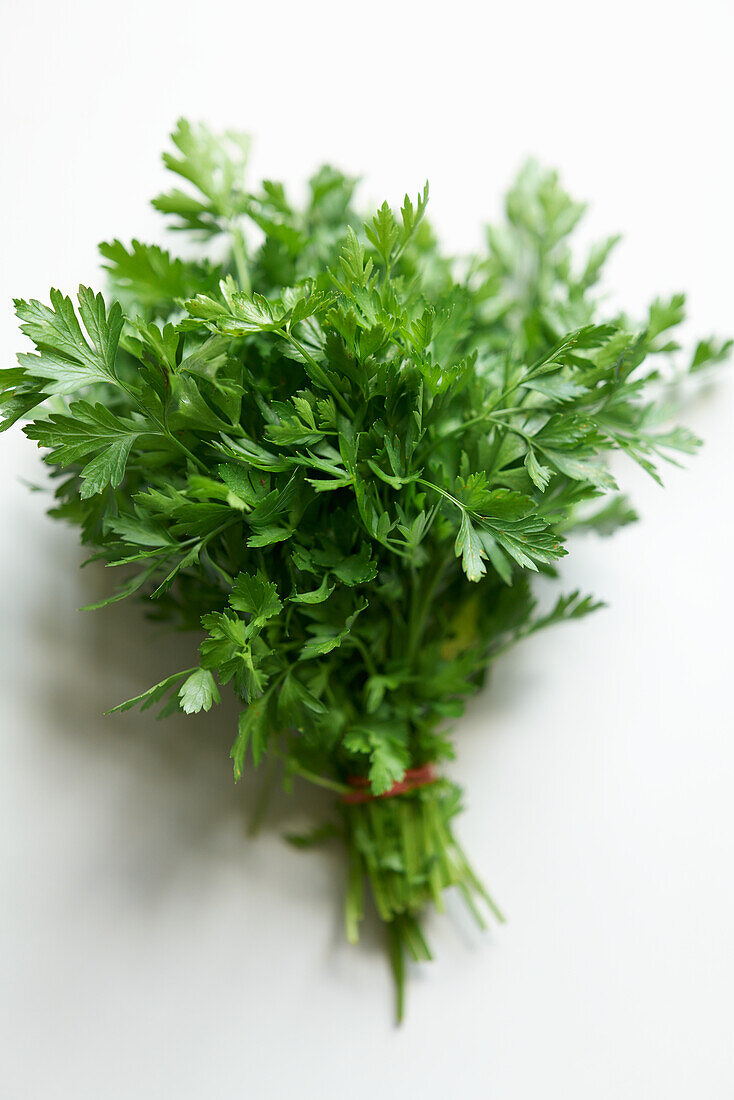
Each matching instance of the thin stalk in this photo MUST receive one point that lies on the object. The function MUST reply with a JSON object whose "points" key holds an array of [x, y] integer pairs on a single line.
{"points": [[406, 817], [354, 898], [182, 447], [469, 902], [419, 939], [319, 372], [359, 645], [421, 606], [493, 416], [397, 963], [161, 426], [407, 849], [312, 777]]}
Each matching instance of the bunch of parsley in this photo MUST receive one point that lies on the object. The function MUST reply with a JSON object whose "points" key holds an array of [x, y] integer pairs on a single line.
{"points": [[341, 454]]}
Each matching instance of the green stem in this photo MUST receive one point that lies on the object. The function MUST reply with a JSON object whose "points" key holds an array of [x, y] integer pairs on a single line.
{"points": [[494, 416], [354, 898], [160, 425], [312, 777], [421, 604], [182, 447], [240, 260], [442, 492], [404, 850], [320, 373], [359, 645], [397, 963]]}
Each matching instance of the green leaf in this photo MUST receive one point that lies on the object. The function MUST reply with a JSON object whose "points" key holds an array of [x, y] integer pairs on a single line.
{"points": [[153, 694], [356, 568], [68, 360], [580, 469], [352, 260], [108, 468], [383, 233], [389, 759], [386, 743], [269, 535], [89, 429], [710, 352], [198, 692], [555, 387], [316, 595], [529, 543], [469, 548], [665, 315], [256, 596], [539, 474], [294, 699], [242, 315], [153, 279], [215, 165], [616, 513], [327, 637]]}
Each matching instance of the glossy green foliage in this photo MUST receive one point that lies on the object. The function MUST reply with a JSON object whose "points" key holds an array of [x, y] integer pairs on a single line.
{"points": [[339, 453]]}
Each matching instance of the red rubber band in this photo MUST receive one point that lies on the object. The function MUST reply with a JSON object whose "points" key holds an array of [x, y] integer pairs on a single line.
{"points": [[413, 778]]}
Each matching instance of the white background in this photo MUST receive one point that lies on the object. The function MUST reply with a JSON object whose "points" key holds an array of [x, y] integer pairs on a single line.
{"points": [[148, 948]]}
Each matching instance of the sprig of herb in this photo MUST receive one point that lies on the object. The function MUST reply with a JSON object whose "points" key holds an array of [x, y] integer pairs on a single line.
{"points": [[340, 455]]}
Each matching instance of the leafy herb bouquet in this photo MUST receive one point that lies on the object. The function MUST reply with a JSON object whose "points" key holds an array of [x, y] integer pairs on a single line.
{"points": [[340, 454]]}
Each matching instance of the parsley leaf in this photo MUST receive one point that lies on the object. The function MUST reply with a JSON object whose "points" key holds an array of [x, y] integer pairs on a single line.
{"points": [[336, 457]]}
